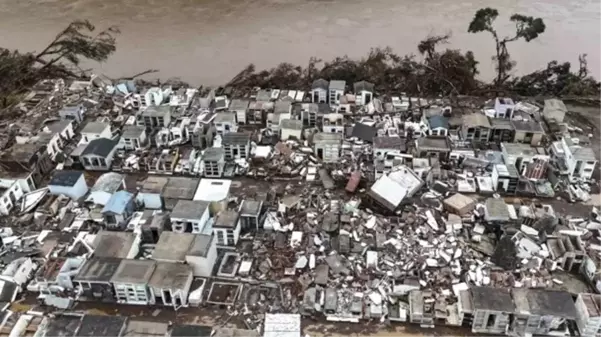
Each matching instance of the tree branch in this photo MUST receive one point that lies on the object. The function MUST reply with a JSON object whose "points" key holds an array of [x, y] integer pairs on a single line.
{"points": [[145, 72]]}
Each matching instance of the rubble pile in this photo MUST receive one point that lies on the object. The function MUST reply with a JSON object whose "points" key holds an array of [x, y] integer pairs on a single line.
{"points": [[291, 159], [331, 243]]}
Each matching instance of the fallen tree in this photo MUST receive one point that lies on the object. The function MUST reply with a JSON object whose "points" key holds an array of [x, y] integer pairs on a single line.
{"points": [[61, 58], [557, 79], [447, 72]]}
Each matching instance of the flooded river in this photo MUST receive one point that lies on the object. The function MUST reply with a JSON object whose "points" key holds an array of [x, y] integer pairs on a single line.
{"points": [[209, 41]]}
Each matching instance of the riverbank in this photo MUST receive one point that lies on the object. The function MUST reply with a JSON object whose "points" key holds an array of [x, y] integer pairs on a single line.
{"points": [[208, 42]]}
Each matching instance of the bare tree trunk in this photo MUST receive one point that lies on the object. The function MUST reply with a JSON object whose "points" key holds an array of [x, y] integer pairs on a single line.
{"points": [[499, 60]]}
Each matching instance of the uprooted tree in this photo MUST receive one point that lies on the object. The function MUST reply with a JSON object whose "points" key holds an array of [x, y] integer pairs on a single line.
{"points": [[526, 27], [62, 57]]}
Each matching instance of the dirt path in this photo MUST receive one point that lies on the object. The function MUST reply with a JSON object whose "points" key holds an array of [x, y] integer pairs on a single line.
{"points": [[218, 317], [364, 329]]}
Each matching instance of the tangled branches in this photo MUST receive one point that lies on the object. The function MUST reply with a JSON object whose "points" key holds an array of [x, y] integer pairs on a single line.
{"points": [[59, 59], [448, 72]]}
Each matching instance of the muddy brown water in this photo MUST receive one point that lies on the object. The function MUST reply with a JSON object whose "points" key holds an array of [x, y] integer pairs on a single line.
{"points": [[209, 41]]}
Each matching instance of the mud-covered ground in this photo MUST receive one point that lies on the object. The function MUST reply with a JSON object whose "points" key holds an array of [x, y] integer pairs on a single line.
{"points": [[213, 316]]}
